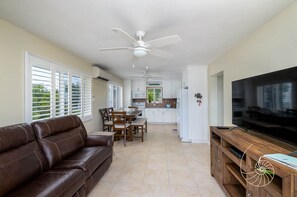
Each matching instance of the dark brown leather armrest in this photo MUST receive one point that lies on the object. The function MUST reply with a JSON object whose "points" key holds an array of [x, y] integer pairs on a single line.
{"points": [[98, 140]]}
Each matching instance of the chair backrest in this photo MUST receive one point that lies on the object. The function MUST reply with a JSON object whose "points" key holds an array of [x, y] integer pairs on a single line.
{"points": [[109, 111], [119, 120], [104, 115]]}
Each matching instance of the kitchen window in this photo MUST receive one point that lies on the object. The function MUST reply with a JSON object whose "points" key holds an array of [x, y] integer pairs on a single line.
{"points": [[154, 95]]}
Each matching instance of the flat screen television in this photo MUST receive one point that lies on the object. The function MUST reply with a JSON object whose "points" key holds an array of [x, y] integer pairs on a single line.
{"points": [[267, 104]]}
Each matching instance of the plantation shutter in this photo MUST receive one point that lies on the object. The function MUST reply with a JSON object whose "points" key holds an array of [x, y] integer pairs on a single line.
{"points": [[62, 93], [41, 92], [76, 95], [53, 90], [87, 97]]}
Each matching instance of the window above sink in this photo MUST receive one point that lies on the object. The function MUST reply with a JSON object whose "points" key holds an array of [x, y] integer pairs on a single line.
{"points": [[154, 95]]}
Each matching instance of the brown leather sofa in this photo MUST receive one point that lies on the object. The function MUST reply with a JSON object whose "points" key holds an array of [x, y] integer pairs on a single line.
{"points": [[53, 157]]}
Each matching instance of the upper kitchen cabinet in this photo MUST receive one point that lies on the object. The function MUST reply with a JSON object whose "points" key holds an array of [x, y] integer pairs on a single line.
{"points": [[175, 88], [171, 88], [138, 85], [166, 89]]}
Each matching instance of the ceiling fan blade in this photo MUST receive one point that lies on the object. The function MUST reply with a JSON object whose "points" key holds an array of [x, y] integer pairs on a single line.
{"points": [[124, 35], [160, 53], [161, 42], [116, 49]]}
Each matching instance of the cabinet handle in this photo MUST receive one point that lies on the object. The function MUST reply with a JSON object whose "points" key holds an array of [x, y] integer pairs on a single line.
{"points": [[249, 194]]}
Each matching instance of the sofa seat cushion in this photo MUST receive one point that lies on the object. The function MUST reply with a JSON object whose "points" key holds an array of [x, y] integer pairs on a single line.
{"points": [[87, 159], [53, 183]]}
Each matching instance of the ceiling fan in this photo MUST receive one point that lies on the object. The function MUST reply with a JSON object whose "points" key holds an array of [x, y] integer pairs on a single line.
{"points": [[141, 48], [147, 75]]}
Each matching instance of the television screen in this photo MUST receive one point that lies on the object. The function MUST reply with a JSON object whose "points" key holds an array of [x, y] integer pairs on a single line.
{"points": [[267, 104]]}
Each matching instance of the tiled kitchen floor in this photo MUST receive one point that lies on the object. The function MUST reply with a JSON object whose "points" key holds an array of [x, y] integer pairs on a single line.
{"points": [[160, 166]]}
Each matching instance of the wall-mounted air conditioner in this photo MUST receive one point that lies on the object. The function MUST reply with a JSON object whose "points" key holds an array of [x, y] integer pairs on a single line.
{"points": [[100, 73], [153, 83]]}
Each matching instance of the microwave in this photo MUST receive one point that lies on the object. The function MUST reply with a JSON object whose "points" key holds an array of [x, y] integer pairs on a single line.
{"points": [[140, 94]]}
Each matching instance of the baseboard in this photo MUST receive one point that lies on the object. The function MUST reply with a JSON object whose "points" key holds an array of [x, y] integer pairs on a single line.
{"points": [[199, 141], [186, 141]]}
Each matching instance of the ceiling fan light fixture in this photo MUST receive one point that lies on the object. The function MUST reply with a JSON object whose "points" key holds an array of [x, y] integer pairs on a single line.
{"points": [[140, 52]]}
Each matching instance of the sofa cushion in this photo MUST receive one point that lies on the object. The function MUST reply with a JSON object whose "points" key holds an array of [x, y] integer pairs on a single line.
{"points": [[53, 183], [87, 159], [22, 159], [60, 137]]}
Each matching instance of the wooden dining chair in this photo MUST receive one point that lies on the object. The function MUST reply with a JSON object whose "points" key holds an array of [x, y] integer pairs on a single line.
{"points": [[139, 124], [109, 111], [120, 125], [106, 121]]}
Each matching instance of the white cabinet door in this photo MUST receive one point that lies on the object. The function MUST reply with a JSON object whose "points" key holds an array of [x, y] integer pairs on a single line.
{"points": [[149, 114], [175, 87], [173, 115], [166, 89], [158, 115], [167, 115], [138, 85], [134, 85]]}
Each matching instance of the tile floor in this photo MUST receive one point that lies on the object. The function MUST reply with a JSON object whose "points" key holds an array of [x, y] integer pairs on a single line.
{"points": [[160, 166]]}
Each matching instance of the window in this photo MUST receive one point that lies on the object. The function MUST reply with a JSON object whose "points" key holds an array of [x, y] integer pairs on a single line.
{"points": [[154, 95], [54, 90], [115, 96]]}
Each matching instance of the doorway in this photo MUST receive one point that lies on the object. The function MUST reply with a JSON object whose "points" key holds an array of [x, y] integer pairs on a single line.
{"points": [[220, 99]]}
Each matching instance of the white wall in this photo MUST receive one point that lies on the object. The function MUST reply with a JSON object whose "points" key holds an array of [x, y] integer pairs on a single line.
{"points": [[272, 47], [13, 44], [197, 115]]}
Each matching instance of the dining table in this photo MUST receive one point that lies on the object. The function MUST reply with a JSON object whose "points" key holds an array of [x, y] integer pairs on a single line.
{"points": [[131, 114]]}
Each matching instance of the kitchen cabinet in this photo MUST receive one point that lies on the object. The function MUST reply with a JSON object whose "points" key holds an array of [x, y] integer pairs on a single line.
{"points": [[138, 85], [171, 88], [174, 115], [160, 115], [166, 89], [149, 114], [167, 115], [175, 88]]}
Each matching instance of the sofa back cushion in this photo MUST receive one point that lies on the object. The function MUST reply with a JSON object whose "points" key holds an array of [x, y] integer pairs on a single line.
{"points": [[21, 158], [60, 137]]}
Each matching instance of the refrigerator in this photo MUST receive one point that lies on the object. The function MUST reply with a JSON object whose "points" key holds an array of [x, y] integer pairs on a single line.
{"points": [[183, 116]]}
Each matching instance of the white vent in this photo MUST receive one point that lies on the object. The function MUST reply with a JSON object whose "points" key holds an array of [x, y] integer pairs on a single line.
{"points": [[101, 74], [153, 83]]}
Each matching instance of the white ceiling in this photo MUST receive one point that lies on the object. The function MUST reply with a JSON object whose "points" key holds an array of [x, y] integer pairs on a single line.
{"points": [[208, 28]]}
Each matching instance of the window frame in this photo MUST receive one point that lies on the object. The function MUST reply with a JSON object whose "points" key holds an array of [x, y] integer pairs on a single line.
{"points": [[154, 95], [31, 60]]}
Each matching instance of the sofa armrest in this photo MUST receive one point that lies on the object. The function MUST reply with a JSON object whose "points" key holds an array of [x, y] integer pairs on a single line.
{"points": [[98, 140]]}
